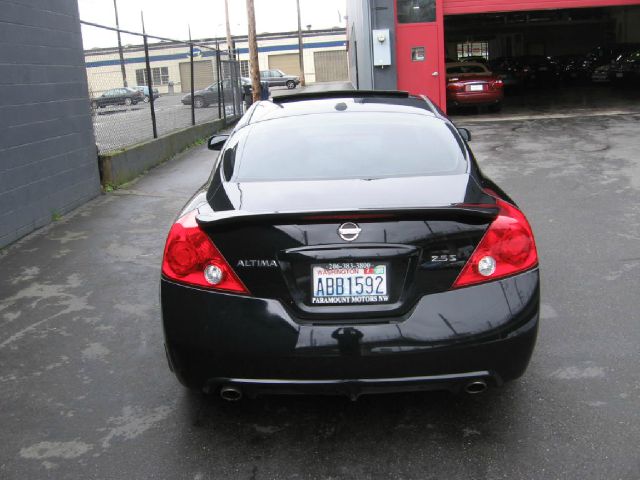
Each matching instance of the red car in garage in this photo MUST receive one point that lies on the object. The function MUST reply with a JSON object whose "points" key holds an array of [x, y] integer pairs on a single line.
{"points": [[473, 84]]}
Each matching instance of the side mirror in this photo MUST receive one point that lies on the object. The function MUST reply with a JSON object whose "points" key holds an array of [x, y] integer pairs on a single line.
{"points": [[217, 142], [465, 134]]}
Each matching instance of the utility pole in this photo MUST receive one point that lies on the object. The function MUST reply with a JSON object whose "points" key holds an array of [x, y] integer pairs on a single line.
{"points": [[300, 48], [230, 43], [253, 51], [193, 108], [124, 72]]}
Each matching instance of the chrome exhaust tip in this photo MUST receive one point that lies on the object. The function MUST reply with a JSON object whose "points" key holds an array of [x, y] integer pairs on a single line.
{"points": [[477, 386], [230, 393]]}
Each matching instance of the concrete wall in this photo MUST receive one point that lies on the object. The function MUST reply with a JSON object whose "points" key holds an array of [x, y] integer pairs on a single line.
{"points": [[359, 39], [363, 16], [383, 16], [123, 166], [48, 161]]}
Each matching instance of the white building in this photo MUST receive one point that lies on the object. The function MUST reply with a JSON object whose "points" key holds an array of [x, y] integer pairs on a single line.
{"points": [[325, 59]]}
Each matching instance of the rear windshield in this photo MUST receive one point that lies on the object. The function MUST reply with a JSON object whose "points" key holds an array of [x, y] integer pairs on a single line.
{"points": [[348, 145], [467, 69]]}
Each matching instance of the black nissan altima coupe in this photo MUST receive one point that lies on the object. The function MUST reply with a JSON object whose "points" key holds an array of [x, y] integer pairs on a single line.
{"points": [[348, 243]]}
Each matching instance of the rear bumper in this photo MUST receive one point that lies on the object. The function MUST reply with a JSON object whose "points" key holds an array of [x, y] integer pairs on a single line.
{"points": [[353, 388], [475, 98], [485, 332]]}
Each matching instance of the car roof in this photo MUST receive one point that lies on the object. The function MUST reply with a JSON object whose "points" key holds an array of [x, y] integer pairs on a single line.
{"points": [[340, 103], [466, 64]]}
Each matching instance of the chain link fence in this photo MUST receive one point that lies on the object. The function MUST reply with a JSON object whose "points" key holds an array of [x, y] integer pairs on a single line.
{"points": [[153, 86]]}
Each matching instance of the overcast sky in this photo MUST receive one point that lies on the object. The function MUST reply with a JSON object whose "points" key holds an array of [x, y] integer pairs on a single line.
{"points": [[170, 18]]}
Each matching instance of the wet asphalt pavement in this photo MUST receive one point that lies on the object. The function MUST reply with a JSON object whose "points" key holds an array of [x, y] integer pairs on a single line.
{"points": [[85, 392]]}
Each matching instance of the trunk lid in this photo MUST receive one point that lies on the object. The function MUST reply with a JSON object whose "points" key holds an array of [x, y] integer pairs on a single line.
{"points": [[352, 194], [274, 236]]}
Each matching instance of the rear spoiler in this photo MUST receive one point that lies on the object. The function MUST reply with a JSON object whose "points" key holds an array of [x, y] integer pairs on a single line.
{"points": [[211, 220], [295, 97]]}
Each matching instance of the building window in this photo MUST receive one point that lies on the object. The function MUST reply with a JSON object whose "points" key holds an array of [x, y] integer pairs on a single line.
{"points": [[417, 54], [160, 76], [473, 49], [244, 68], [416, 11]]}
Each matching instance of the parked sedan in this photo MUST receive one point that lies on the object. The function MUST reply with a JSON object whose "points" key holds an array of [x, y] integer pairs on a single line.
{"points": [[118, 96], [607, 54], [508, 70], [472, 84], [626, 68], [202, 98], [145, 91], [209, 95], [539, 71], [573, 68], [310, 263], [277, 78], [601, 74]]}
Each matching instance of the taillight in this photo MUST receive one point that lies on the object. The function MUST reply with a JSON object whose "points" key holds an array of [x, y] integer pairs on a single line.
{"points": [[497, 84], [507, 248], [191, 257]]}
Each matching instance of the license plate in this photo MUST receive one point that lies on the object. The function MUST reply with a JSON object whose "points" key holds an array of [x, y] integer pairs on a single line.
{"points": [[476, 88], [348, 283]]}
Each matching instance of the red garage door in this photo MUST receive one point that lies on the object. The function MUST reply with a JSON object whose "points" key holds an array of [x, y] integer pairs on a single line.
{"points": [[420, 35], [459, 7]]}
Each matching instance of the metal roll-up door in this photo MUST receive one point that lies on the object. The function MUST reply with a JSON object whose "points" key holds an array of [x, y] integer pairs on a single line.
{"points": [[202, 72], [331, 66], [287, 62]]}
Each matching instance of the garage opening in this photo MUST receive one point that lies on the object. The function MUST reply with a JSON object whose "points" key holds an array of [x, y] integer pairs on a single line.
{"points": [[548, 61]]}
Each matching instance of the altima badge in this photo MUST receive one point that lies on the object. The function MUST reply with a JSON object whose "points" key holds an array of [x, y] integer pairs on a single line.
{"points": [[349, 231], [257, 263]]}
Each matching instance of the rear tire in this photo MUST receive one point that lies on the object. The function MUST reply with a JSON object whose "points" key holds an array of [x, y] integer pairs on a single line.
{"points": [[128, 101], [291, 84], [199, 102], [495, 108]]}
